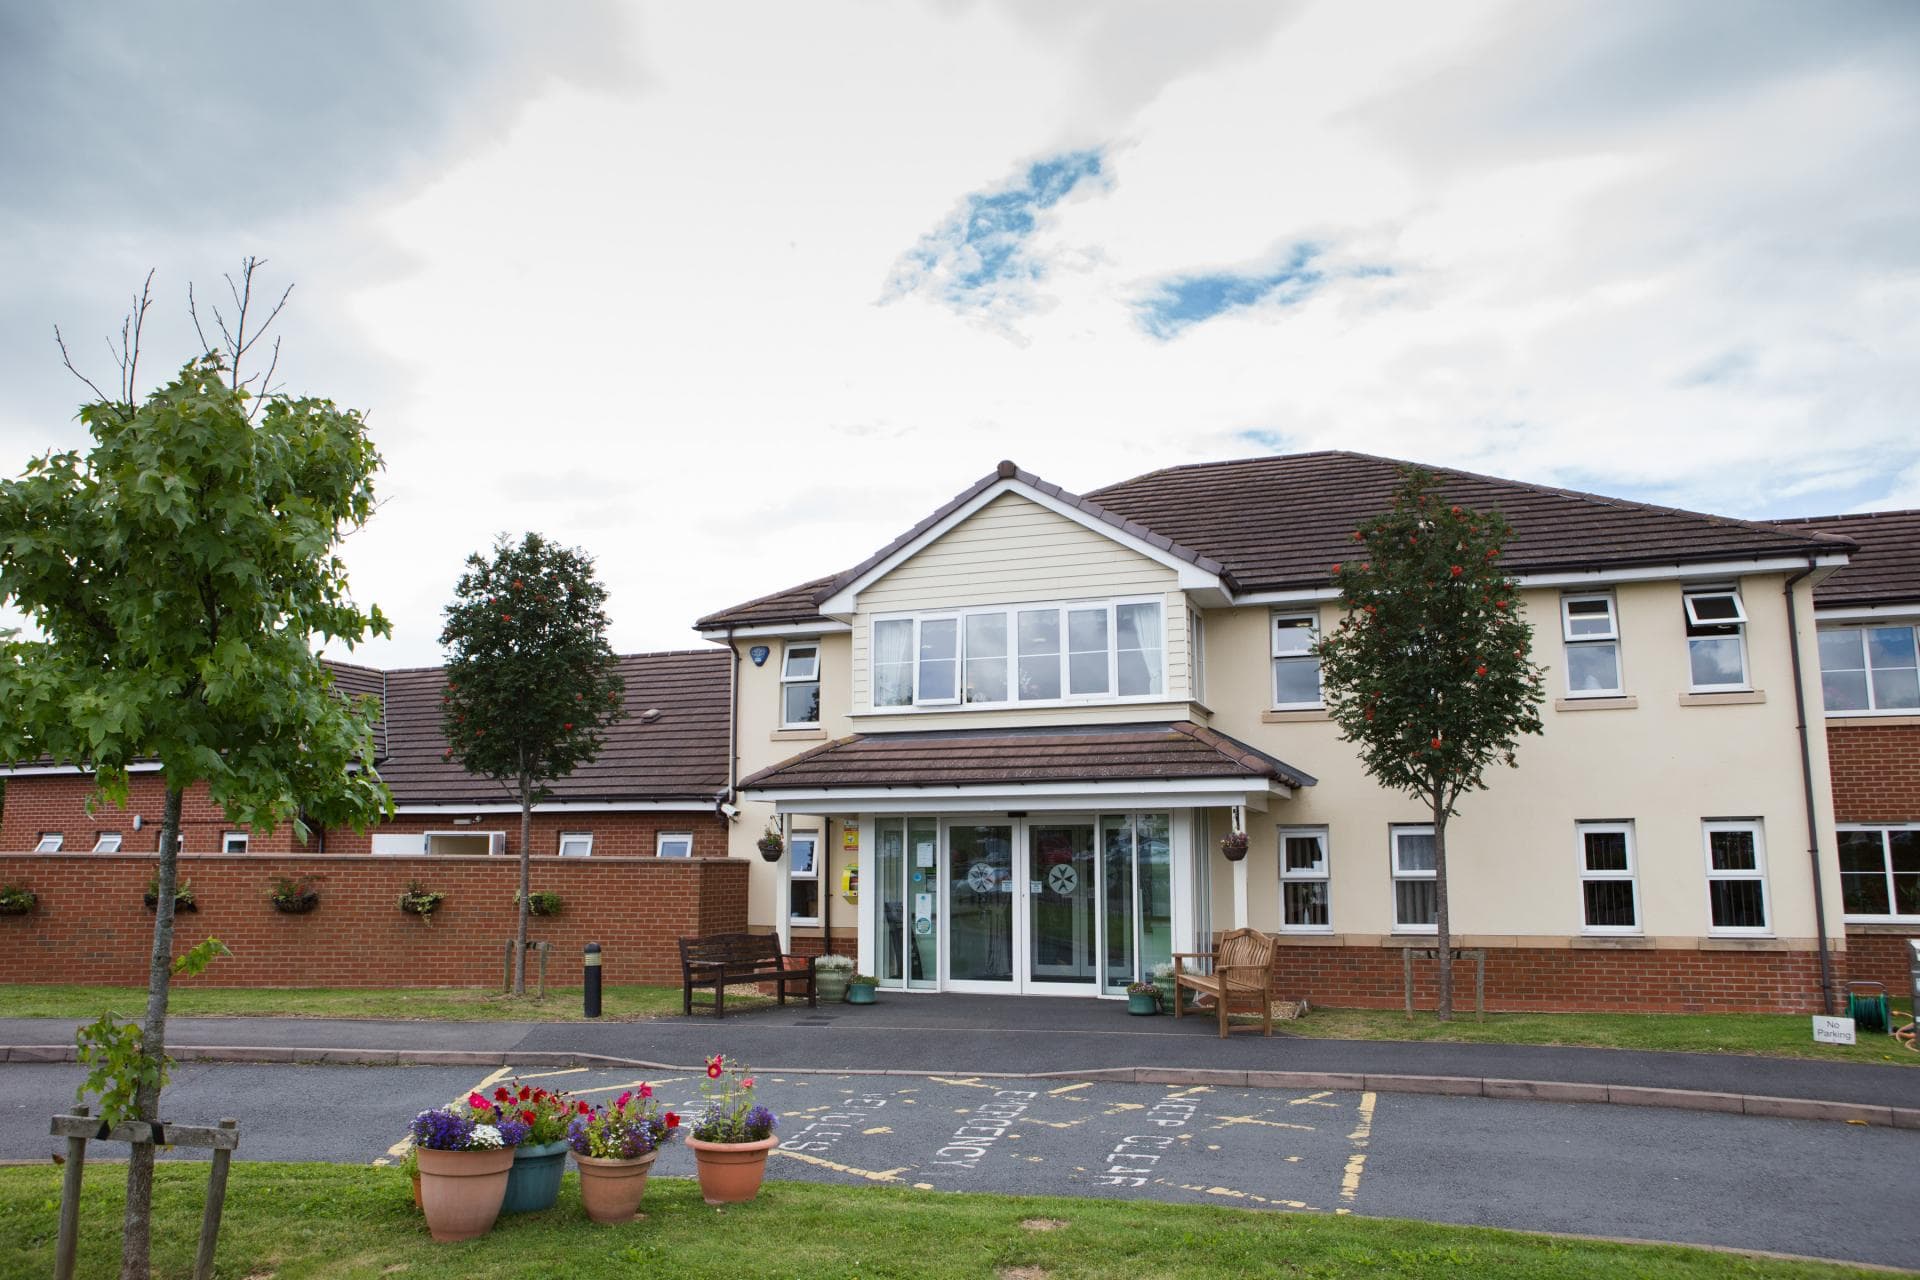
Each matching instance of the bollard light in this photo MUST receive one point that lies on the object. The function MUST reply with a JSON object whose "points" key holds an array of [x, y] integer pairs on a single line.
{"points": [[591, 993]]}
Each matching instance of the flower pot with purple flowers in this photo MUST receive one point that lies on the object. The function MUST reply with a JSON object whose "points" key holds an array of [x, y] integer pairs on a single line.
{"points": [[615, 1147], [732, 1137], [465, 1153]]}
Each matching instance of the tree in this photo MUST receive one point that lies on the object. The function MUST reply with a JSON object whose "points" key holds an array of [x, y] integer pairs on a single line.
{"points": [[178, 574], [531, 681], [1429, 673]]}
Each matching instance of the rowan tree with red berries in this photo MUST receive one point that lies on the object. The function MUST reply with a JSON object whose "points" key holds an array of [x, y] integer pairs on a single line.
{"points": [[1429, 673], [531, 681]]}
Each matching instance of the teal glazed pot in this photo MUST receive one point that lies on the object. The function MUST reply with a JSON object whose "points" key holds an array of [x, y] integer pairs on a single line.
{"points": [[1143, 1003], [860, 993], [533, 1183]]}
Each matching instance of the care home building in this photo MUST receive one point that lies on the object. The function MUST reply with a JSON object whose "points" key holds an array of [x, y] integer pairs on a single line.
{"points": [[1004, 749]]}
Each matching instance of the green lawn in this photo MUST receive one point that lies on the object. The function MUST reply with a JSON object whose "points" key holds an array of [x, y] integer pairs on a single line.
{"points": [[1773, 1035], [446, 1004], [287, 1221]]}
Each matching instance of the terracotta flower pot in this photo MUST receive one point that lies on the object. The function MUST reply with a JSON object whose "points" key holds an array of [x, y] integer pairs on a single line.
{"points": [[610, 1190], [416, 1190], [461, 1191], [731, 1172]]}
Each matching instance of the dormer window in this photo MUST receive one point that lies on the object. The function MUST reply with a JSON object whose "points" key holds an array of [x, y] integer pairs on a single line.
{"points": [[1090, 651]]}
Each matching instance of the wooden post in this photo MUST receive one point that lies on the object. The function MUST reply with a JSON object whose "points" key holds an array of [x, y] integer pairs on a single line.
{"points": [[1406, 978], [216, 1201], [64, 1253]]}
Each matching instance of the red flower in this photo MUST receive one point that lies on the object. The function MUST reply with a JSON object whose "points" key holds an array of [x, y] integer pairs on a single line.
{"points": [[568, 725], [1456, 511], [1436, 744], [1356, 535], [713, 1067], [1456, 571], [1492, 552], [528, 1115], [673, 1120], [478, 1103], [526, 1091], [1499, 604], [539, 1094], [584, 1109], [1365, 565], [1336, 566], [1479, 671], [506, 617], [621, 1105]]}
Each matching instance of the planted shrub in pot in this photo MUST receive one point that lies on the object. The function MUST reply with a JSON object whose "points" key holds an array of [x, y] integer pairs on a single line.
{"points": [[16, 900], [732, 1137], [1143, 999], [294, 897], [540, 1161], [830, 974], [464, 1161], [182, 896], [541, 902], [420, 901], [861, 988], [615, 1147], [1233, 845], [771, 846]]}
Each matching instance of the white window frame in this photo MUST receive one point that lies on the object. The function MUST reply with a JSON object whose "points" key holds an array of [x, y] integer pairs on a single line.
{"points": [[1394, 833], [1323, 875], [1884, 830], [1631, 875], [788, 679], [575, 838], [1011, 612], [230, 839], [1594, 640], [1738, 622], [109, 842], [496, 841], [796, 876], [1312, 619], [1866, 667], [1197, 655], [50, 842], [1759, 873], [417, 840], [662, 839]]}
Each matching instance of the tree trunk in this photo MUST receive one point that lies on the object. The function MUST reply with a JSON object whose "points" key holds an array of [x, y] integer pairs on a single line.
{"points": [[526, 873], [136, 1227], [1443, 927]]}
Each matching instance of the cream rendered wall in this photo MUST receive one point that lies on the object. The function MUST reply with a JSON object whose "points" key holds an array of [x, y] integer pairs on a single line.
{"points": [[1513, 868]]}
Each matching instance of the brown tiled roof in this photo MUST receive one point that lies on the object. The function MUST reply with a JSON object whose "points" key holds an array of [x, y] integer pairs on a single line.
{"points": [[356, 682], [681, 755], [1280, 523], [1094, 753], [1886, 568]]}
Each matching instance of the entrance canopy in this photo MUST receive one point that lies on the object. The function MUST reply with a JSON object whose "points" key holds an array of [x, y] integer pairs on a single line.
{"points": [[1084, 767]]}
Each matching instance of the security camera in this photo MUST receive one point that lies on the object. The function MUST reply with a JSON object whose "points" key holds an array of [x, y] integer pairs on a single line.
{"points": [[729, 811]]}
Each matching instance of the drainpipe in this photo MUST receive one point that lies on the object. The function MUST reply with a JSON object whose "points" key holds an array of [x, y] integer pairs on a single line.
{"points": [[733, 721], [1806, 783]]}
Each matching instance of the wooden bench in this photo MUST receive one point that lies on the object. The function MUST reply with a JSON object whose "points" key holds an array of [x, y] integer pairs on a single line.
{"points": [[1240, 972], [723, 959]]}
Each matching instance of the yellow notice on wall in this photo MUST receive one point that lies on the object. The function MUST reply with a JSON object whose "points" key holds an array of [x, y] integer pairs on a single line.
{"points": [[850, 838]]}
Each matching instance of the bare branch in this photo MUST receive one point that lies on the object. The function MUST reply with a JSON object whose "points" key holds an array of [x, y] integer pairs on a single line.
{"points": [[66, 358], [130, 339], [193, 310], [266, 383]]}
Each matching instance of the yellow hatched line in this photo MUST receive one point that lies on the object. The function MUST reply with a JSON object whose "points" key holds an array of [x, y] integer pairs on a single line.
{"points": [[1357, 1162], [1084, 1084], [398, 1150], [883, 1175]]}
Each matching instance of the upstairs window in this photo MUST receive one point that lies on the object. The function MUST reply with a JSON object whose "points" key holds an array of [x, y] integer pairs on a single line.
{"points": [[1591, 628], [800, 687], [1870, 668], [1716, 639], [50, 842], [1296, 668], [576, 844], [1197, 655], [233, 842], [1736, 877], [108, 842], [1036, 653], [673, 844]]}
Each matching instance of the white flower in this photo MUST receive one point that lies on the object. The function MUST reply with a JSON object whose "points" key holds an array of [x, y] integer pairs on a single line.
{"points": [[485, 1138]]}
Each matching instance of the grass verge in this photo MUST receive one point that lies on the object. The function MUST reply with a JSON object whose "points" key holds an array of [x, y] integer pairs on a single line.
{"points": [[291, 1221], [430, 1004], [1766, 1034]]}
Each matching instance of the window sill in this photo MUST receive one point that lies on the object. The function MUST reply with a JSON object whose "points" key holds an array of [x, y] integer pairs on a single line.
{"points": [[1902, 926], [1312, 937], [1887, 718], [1611, 702], [1611, 942], [1295, 715], [1731, 698], [798, 735], [1766, 943]]}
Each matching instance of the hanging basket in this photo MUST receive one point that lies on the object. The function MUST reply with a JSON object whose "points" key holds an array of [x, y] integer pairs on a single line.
{"points": [[1233, 846], [771, 846]]}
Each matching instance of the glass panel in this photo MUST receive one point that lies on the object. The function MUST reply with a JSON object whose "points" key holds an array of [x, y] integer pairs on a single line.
{"points": [[889, 898], [1061, 903], [939, 659], [803, 853], [1863, 851], [1890, 647], [986, 657], [1413, 850], [1296, 680], [1153, 836], [1138, 628], [803, 663], [1863, 874], [1306, 854], [1593, 668], [1720, 606], [893, 663], [804, 901], [1732, 851], [1609, 904], [923, 901], [1896, 689], [1589, 618], [1306, 903], [1086, 651], [1039, 634], [1844, 690], [1606, 850], [980, 896], [1904, 854], [1738, 904], [1840, 650], [1292, 637], [1116, 865], [1716, 660], [802, 703], [1415, 902]]}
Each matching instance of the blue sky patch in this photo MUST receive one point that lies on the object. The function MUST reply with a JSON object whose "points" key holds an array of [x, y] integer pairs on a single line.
{"points": [[1181, 302]]}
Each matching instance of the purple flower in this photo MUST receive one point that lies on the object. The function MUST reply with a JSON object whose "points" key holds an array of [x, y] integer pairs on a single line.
{"points": [[441, 1129], [759, 1124], [513, 1132]]}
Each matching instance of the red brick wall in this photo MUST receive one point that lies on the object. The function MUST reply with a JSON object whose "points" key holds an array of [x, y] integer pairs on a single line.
{"points": [[58, 803], [91, 925], [1879, 955], [1876, 771], [1562, 979]]}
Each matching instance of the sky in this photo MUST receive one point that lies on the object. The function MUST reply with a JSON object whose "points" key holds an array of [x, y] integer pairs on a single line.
{"points": [[729, 296]]}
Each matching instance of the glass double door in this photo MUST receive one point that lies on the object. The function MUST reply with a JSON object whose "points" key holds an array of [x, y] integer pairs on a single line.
{"points": [[1057, 905]]}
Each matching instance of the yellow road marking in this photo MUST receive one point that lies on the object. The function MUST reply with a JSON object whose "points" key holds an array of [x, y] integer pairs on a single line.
{"points": [[1118, 1107], [923, 1186], [884, 1175], [399, 1149], [971, 1082], [1271, 1124], [1055, 1124], [542, 1075], [1357, 1162], [1198, 1088], [879, 1128], [1071, 1088], [1229, 1193], [631, 1084], [1313, 1100]]}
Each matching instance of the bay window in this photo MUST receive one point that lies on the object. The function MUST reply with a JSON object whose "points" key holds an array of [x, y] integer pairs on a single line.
{"points": [[998, 657], [1870, 668]]}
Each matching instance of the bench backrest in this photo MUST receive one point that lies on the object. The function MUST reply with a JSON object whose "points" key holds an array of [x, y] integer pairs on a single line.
{"points": [[730, 949], [1246, 947]]}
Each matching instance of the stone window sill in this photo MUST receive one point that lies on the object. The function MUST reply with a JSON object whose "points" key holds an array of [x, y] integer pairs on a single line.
{"points": [[799, 735], [1743, 944], [1611, 942], [1307, 715], [1732, 698], [1857, 719], [1623, 702]]}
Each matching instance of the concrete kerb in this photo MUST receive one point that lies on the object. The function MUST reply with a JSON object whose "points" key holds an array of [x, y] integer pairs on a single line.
{"points": [[1455, 1086]]}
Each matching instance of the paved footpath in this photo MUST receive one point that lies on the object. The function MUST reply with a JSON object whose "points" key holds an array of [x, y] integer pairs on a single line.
{"points": [[1789, 1186]]}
